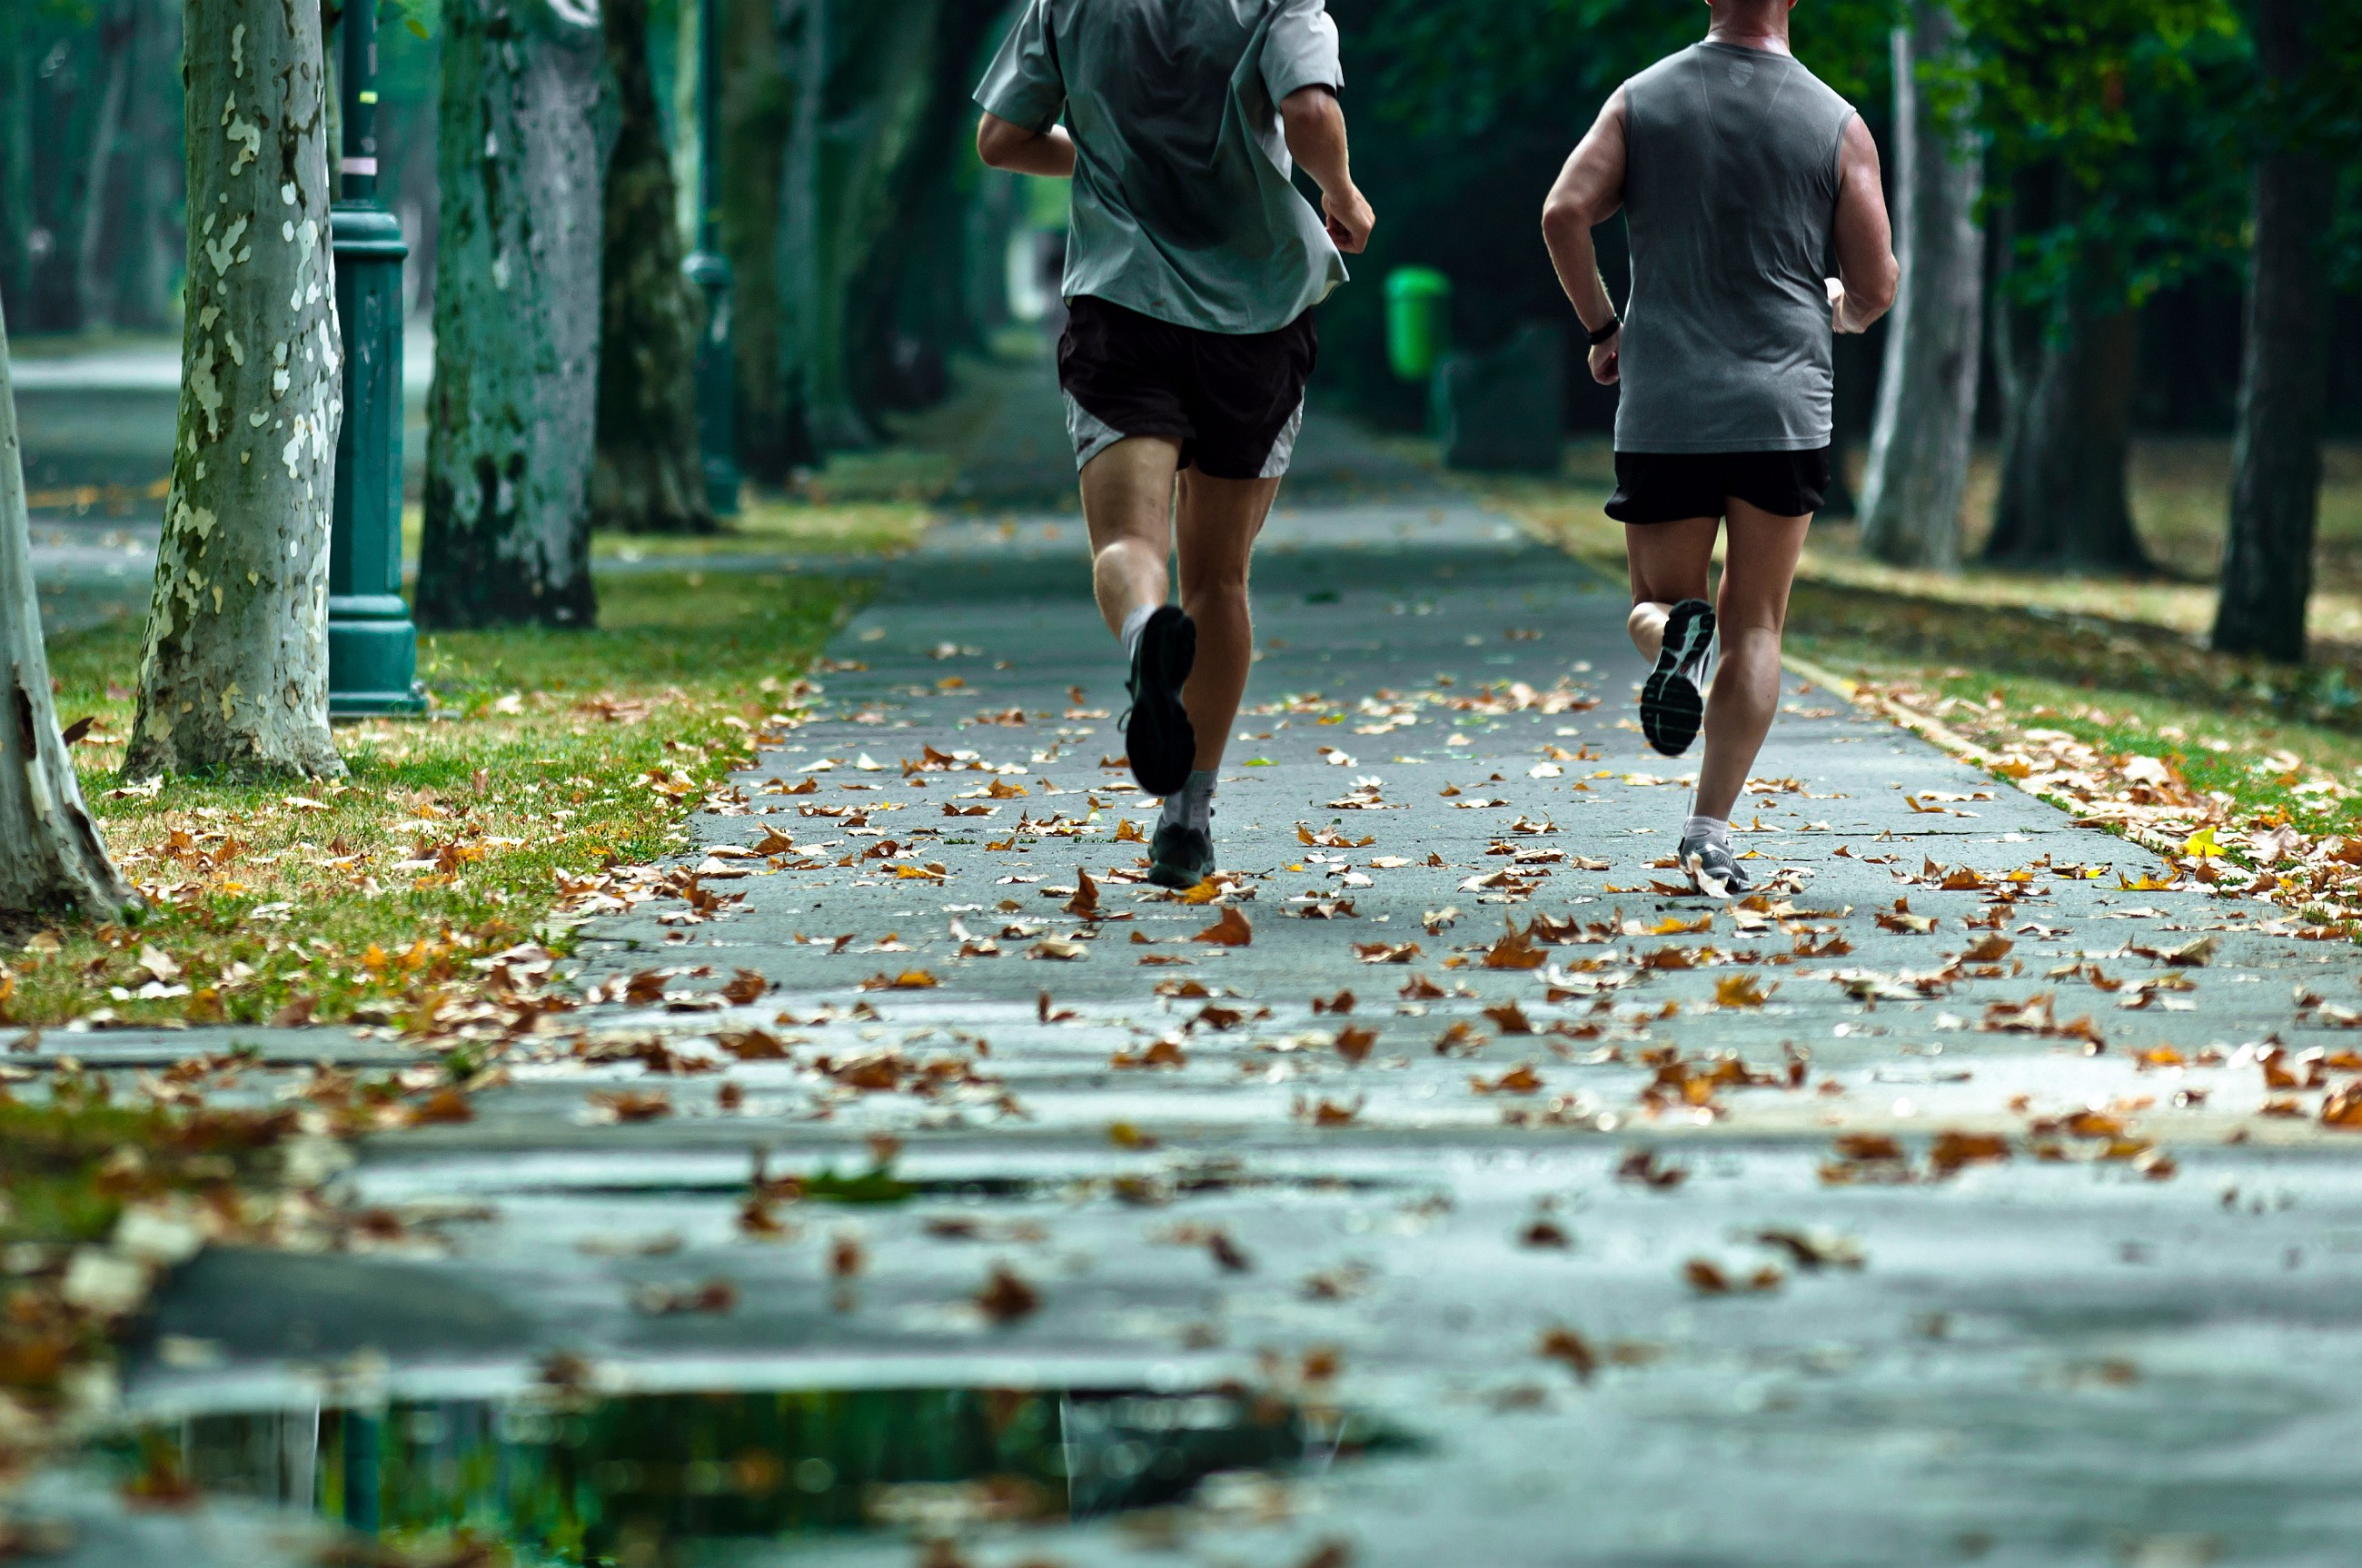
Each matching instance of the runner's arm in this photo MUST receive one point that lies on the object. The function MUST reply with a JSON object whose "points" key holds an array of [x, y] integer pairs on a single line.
{"points": [[1589, 192], [1867, 270], [1003, 143], [1315, 124]]}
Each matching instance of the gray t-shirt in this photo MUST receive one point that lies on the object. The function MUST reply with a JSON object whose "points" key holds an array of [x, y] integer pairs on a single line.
{"points": [[1183, 206], [1730, 192]]}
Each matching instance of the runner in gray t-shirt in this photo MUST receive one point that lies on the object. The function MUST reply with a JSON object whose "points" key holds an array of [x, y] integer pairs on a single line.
{"points": [[1192, 268], [1738, 171]]}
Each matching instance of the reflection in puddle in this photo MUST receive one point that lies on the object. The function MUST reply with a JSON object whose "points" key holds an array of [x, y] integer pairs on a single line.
{"points": [[636, 1480]]}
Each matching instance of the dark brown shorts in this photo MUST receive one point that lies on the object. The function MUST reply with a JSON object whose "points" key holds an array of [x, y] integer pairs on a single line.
{"points": [[1233, 401], [1665, 486]]}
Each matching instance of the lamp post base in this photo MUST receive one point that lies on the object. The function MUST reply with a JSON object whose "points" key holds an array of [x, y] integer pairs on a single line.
{"points": [[372, 658]]}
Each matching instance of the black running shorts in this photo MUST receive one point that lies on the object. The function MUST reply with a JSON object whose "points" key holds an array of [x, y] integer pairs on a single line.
{"points": [[1665, 486], [1234, 402]]}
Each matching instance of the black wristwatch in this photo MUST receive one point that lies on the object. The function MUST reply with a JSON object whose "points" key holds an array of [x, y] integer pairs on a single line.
{"points": [[1607, 332]]}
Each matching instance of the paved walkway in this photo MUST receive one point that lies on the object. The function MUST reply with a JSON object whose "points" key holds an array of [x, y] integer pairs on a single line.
{"points": [[1601, 1215]]}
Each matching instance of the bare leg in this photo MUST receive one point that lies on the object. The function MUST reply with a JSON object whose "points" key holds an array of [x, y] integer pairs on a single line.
{"points": [[1758, 571], [1128, 506], [1669, 562], [1219, 521]]}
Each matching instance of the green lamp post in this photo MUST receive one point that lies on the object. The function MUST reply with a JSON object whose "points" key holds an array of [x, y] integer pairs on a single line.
{"points": [[373, 647], [710, 272]]}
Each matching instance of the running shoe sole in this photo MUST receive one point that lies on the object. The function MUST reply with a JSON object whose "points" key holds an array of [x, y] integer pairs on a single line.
{"points": [[1670, 707], [1178, 877], [1157, 736]]}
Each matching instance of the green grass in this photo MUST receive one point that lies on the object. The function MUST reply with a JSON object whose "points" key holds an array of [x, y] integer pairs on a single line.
{"points": [[550, 753]]}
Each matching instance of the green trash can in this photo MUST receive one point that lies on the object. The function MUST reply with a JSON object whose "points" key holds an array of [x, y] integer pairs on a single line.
{"points": [[1419, 321]]}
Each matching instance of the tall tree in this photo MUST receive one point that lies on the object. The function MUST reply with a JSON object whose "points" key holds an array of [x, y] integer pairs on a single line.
{"points": [[2284, 370], [758, 115], [2067, 437], [862, 92], [118, 36], [2105, 117], [649, 475], [920, 239], [234, 674], [512, 418], [51, 856], [1928, 393]]}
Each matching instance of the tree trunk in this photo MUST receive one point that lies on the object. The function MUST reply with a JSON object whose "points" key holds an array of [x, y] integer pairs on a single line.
{"points": [[865, 69], [51, 855], [918, 243], [117, 35], [649, 476], [151, 225], [512, 418], [2284, 378], [1927, 397], [2063, 502], [2066, 373], [757, 119], [15, 155], [234, 674]]}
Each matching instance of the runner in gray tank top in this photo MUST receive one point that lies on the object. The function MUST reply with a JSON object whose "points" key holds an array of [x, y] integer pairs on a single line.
{"points": [[1739, 173]]}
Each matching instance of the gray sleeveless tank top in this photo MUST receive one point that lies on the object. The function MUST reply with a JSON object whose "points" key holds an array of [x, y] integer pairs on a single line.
{"points": [[1730, 192]]}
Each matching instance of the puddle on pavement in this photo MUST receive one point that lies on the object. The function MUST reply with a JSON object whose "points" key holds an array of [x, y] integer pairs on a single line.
{"points": [[647, 1480]]}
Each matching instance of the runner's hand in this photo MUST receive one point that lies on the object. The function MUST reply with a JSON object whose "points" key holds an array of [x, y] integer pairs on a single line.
{"points": [[1348, 219], [1605, 366]]}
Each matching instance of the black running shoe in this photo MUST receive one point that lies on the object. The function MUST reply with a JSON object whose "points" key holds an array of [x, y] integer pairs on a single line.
{"points": [[1180, 857], [1670, 708], [1156, 733]]}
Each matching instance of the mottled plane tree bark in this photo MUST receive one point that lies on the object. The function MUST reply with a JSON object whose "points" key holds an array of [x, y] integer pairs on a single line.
{"points": [[2284, 373], [649, 476], [51, 857], [512, 418], [1920, 440], [235, 673]]}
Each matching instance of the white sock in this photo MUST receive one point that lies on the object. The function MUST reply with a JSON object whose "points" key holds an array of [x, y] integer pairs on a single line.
{"points": [[1713, 830], [1194, 806], [1133, 626]]}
